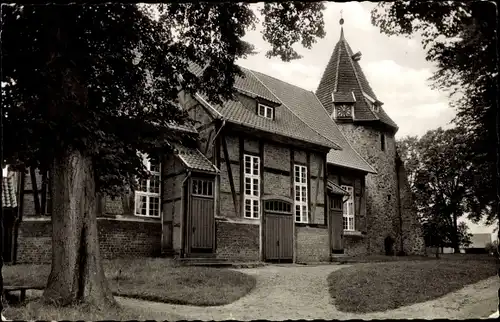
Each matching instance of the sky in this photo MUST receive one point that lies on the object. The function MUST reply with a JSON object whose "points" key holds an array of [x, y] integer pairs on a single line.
{"points": [[394, 66]]}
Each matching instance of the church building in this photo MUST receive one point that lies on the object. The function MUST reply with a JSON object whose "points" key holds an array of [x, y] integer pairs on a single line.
{"points": [[280, 174]]}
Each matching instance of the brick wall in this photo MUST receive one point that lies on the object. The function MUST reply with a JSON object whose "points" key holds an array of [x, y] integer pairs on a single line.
{"points": [[238, 241], [312, 244], [117, 238], [34, 242]]}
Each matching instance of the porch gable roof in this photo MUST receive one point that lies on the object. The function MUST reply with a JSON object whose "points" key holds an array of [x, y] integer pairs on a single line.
{"points": [[336, 189], [193, 159]]}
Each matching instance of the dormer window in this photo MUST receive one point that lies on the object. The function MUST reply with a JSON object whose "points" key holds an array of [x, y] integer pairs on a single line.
{"points": [[374, 107], [265, 111]]}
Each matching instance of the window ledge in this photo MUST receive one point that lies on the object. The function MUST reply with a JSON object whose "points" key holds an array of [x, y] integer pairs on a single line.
{"points": [[130, 218], [354, 234]]}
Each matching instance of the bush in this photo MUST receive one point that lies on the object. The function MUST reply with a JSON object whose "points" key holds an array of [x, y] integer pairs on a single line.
{"points": [[492, 248]]}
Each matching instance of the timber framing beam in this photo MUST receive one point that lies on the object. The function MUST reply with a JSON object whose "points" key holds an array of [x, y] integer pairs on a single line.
{"points": [[35, 191], [230, 173], [317, 189], [325, 191]]}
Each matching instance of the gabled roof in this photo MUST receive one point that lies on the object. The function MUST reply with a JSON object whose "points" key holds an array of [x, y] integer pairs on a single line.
{"points": [[343, 75], [336, 189], [9, 199], [285, 122], [307, 107], [193, 159]]}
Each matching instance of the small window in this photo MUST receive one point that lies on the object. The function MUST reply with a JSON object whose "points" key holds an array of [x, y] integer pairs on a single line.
{"points": [[337, 203], [266, 111], [278, 206], [382, 142], [202, 188]]}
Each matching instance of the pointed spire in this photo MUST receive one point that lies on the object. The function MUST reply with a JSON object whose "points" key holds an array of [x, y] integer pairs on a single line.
{"points": [[341, 27]]}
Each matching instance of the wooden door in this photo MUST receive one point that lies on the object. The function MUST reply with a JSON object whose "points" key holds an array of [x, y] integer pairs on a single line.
{"points": [[278, 231], [336, 224], [202, 220]]}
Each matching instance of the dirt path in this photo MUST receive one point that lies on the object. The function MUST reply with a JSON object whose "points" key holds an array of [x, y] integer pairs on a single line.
{"points": [[301, 292]]}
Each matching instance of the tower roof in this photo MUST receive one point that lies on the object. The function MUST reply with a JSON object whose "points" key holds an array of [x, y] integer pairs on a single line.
{"points": [[343, 81]]}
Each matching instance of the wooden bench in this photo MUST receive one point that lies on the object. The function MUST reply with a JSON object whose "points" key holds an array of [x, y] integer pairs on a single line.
{"points": [[21, 289]]}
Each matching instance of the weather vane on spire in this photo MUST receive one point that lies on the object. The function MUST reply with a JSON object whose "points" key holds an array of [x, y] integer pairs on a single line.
{"points": [[341, 19]]}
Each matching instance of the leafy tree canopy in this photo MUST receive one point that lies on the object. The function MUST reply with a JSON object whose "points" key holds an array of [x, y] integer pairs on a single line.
{"points": [[103, 79], [461, 39], [444, 182]]}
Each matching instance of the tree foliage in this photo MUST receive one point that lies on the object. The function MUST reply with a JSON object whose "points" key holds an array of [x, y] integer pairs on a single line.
{"points": [[461, 39], [87, 87], [442, 172], [104, 78]]}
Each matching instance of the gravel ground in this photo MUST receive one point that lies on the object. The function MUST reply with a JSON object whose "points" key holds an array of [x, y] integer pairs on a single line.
{"points": [[300, 292]]}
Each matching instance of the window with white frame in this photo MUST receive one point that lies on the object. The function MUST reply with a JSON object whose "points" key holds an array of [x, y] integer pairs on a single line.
{"points": [[252, 186], [300, 193], [348, 209], [147, 195], [202, 188], [265, 111]]}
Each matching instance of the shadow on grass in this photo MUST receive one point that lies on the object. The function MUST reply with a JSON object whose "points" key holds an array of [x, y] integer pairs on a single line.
{"points": [[154, 279], [375, 287]]}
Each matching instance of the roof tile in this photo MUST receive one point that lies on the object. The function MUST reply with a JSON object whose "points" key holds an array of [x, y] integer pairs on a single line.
{"points": [[194, 159], [306, 106], [342, 75], [336, 189], [285, 122], [344, 97]]}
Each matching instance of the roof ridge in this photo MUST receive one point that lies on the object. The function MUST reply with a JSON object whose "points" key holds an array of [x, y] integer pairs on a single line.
{"points": [[251, 72], [254, 71], [337, 71], [349, 53], [315, 131], [343, 136]]}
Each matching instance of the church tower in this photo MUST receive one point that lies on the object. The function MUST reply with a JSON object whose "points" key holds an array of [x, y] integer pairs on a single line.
{"points": [[350, 101]]}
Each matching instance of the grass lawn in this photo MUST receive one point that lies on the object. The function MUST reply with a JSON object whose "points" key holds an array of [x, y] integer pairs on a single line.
{"points": [[31, 310], [154, 279], [374, 287]]}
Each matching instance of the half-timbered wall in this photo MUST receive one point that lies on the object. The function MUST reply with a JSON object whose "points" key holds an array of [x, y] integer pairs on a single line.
{"points": [[354, 242], [30, 185]]}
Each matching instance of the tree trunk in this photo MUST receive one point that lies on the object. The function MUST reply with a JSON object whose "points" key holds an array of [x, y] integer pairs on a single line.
{"points": [[1, 254], [456, 244], [77, 275]]}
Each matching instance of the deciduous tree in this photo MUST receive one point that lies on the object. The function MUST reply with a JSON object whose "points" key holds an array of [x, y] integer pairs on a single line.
{"points": [[461, 39], [442, 182], [85, 87]]}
